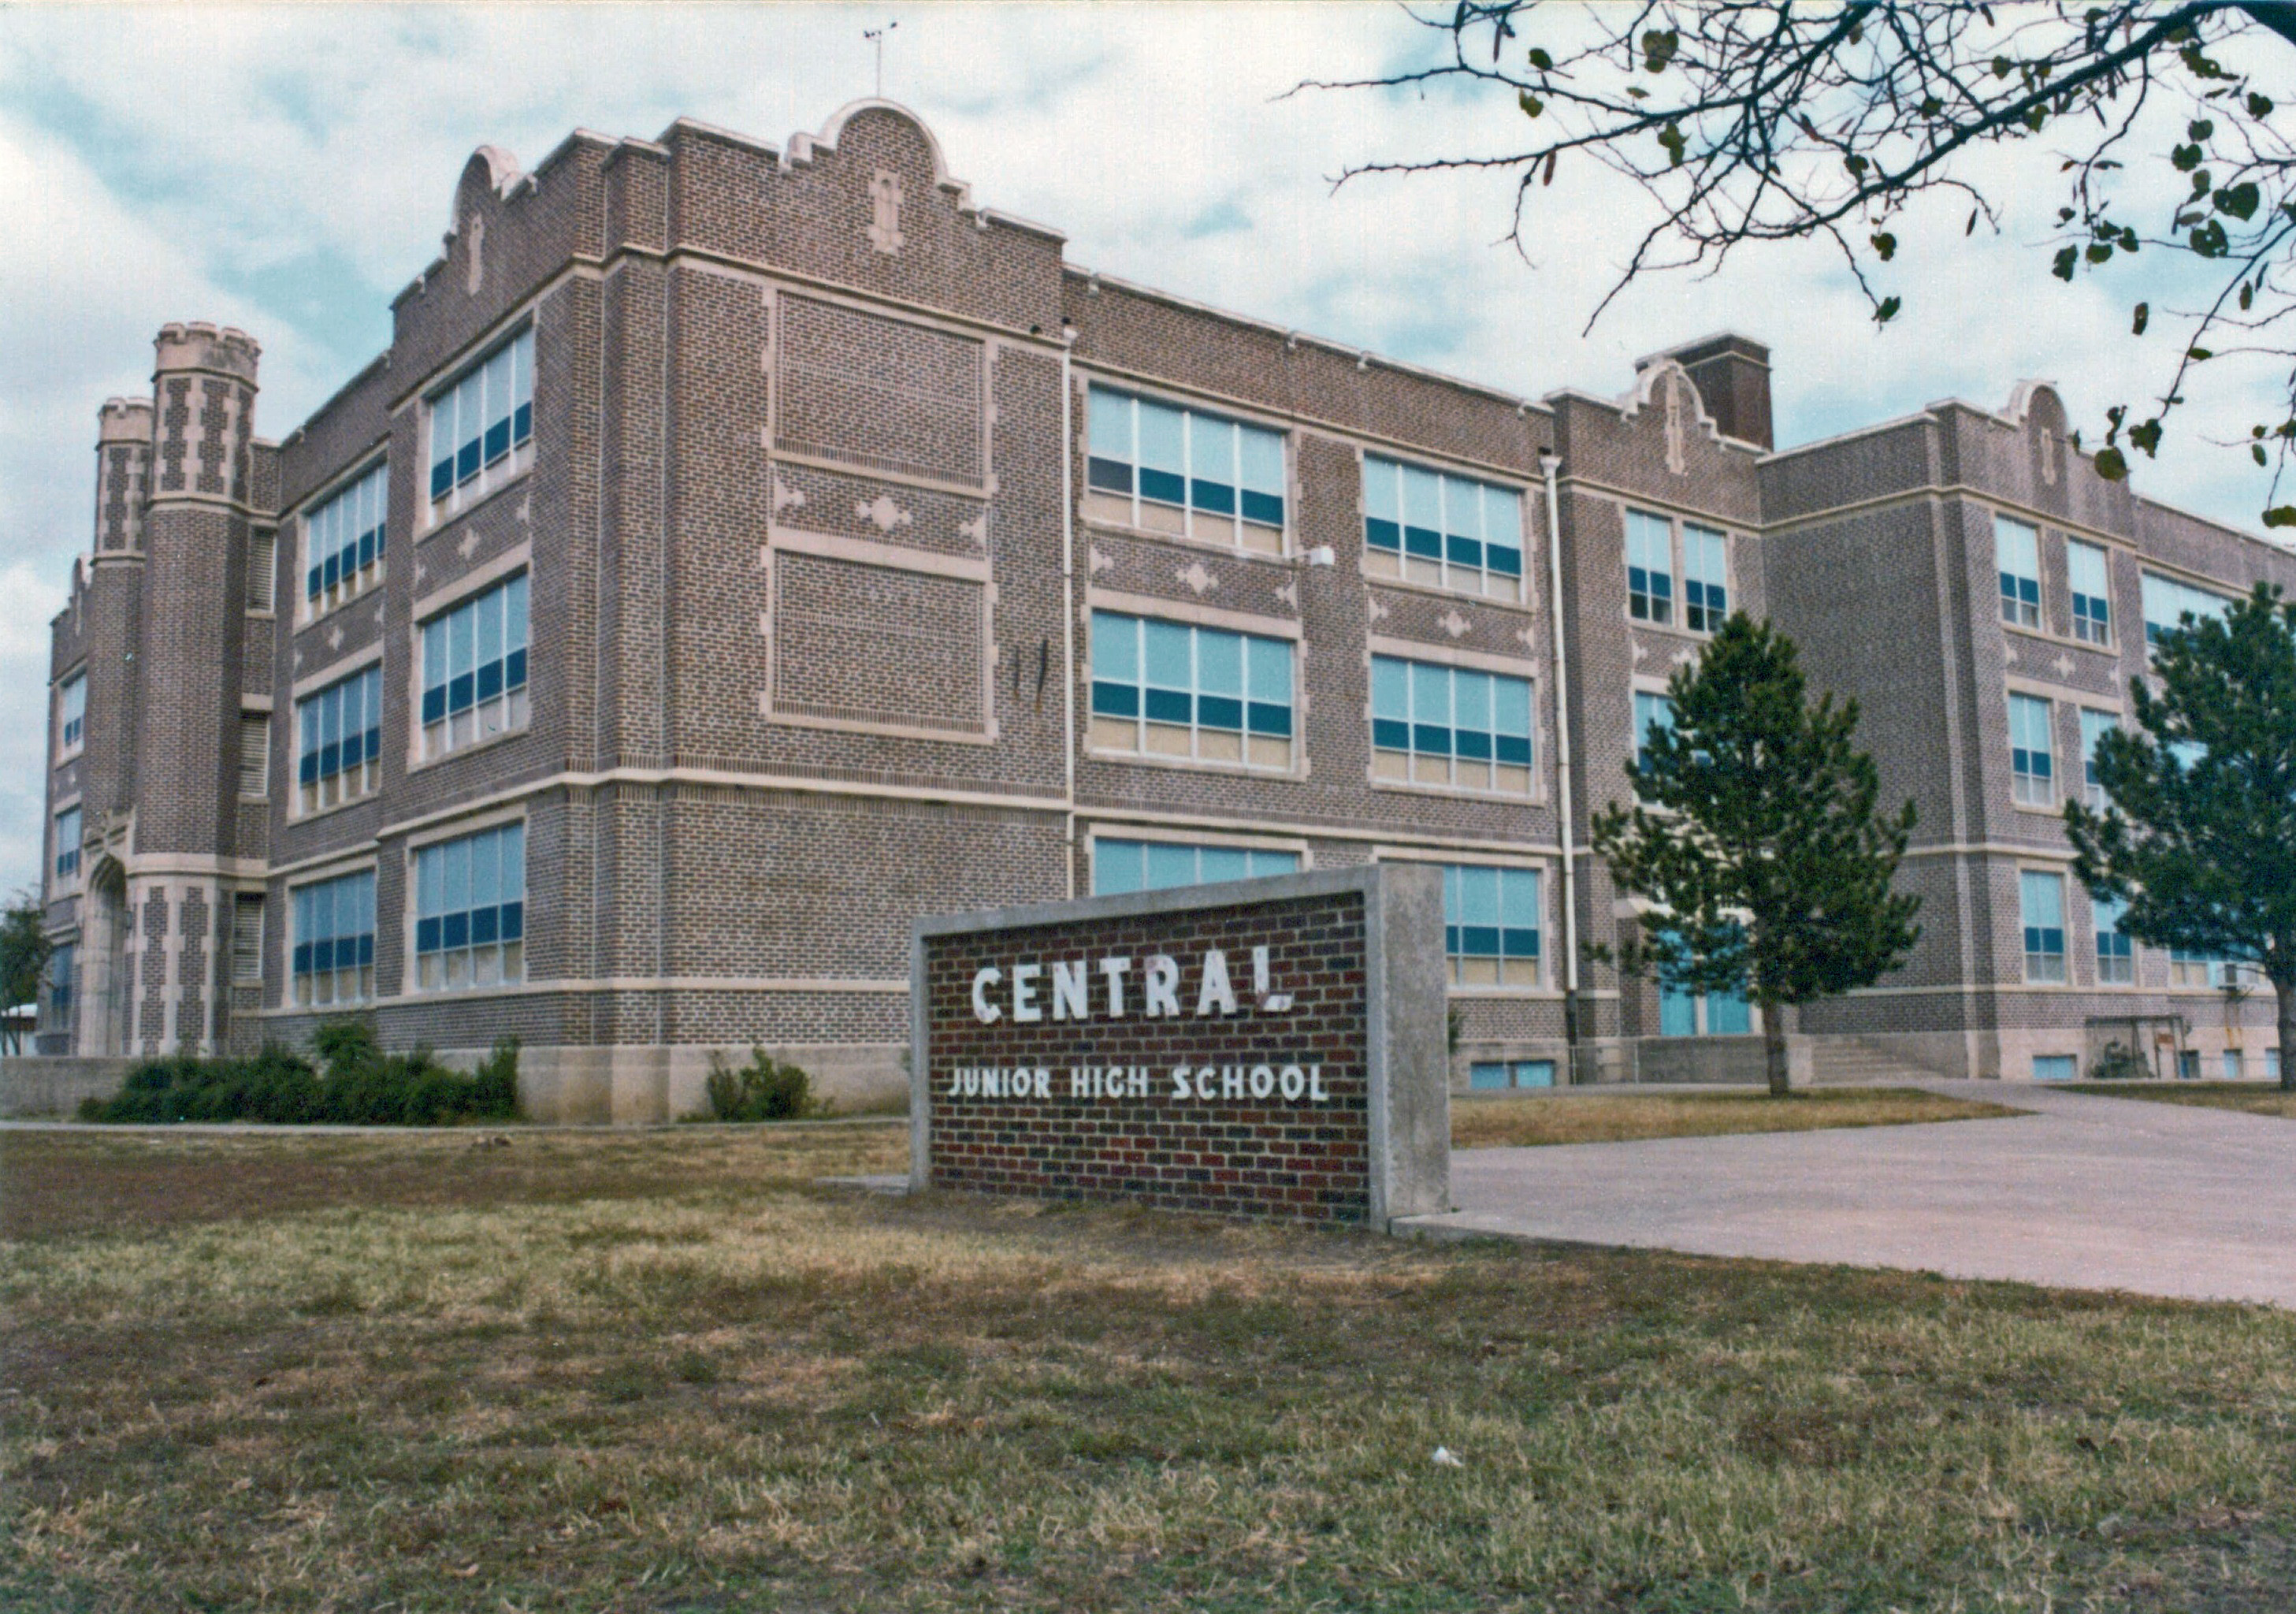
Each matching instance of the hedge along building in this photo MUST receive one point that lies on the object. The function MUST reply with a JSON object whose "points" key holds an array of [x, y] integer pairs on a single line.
{"points": [[739, 552]]}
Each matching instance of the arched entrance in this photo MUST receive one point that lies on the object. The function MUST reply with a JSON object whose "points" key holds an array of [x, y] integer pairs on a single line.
{"points": [[107, 987]]}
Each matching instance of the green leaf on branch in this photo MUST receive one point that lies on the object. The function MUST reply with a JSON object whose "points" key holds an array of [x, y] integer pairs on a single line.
{"points": [[2063, 267], [2099, 252], [2184, 158], [2143, 317], [2200, 128], [1885, 245], [2146, 437], [1532, 105], [1540, 59], [2238, 200], [2258, 106], [1887, 311], [2200, 355], [2256, 450], [1659, 46], [2112, 465], [2281, 515], [1670, 137]]}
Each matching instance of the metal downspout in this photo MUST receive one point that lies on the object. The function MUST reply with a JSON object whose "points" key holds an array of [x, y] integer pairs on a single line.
{"points": [[1550, 465]]}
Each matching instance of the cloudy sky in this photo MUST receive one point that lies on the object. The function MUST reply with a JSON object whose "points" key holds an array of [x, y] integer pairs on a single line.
{"points": [[289, 169]]}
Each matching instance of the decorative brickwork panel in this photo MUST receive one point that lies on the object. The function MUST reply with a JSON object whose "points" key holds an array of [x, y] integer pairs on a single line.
{"points": [[1275, 1118], [878, 392], [869, 644]]}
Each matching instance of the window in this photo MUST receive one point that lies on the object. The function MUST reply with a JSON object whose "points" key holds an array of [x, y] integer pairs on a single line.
{"points": [[1449, 726], [469, 914], [1172, 469], [340, 756], [333, 960], [1171, 689], [255, 753], [1119, 866], [2086, 573], [262, 568], [2032, 761], [2231, 1064], [2044, 902], [67, 843], [72, 708], [1651, 711], [2116, 962], [2188, 966], [1705, 578], [1650, 568], [2167, 602], [2272, 1065], [343, 538], [481, 426], [247, 939], [2055, 1067], [2017, 556], [2094, 726], [474, 669], [1490, 924], [1714, 1014], [1510, 1073], [61, 963], [1432, 527]]}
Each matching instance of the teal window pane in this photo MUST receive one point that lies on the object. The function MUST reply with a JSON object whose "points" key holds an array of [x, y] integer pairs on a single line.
{"points": [[1219, 662], [1212, 449], [1390, 688], [1117, 866], [1162, 429], [1479, 896], [1431, 694], [513, 863], [1727, 1015], [486, 871], [429, 881], [1109, 416], [1422, 498], [1502, 517], [1519, 889], [1267, 863], [1481, 1077], [1511, 707], [1534, 1072], [1170, 866], [458, 875], [514, 612], [1218, 863], [1677, 1013], [1116, 648], [1271, 670], [1167, 653], [1382, 489], [1262, 454], [2044, 897], [1471, 694]]}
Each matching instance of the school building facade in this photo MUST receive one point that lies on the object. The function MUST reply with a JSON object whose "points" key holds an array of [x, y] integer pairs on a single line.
{"points": [[740, 551]]}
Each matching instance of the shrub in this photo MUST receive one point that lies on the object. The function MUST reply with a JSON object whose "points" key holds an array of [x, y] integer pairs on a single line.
{"points": [[361, 1086], [763, 1089], [2118, 1063]]}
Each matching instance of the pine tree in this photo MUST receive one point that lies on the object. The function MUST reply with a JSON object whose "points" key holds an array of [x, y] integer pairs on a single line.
{"points": [[2199, 837], [1755, 838]]}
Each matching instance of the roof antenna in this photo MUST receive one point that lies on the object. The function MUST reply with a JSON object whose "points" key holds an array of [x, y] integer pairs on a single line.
{"points": [[876, 36]]}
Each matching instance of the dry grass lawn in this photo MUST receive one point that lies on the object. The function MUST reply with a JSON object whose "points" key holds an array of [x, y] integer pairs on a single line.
{"points": [[664, 1371], [2255, 1097], [1620, 1118]]}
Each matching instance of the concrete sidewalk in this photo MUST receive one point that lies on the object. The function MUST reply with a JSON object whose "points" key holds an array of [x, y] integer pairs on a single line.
{"points": [[2079, 1192]]}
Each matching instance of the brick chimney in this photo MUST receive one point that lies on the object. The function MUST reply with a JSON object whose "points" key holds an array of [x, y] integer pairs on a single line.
{"points": [[1733, 376]]}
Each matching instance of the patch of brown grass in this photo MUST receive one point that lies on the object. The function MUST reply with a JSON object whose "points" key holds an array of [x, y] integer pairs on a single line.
{"points": [[1620, 1118], [2254, 1098], [662, 1372]]}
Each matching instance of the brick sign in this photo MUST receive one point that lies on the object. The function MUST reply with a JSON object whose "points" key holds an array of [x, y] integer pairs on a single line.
{"points": [[1266, 1048]]}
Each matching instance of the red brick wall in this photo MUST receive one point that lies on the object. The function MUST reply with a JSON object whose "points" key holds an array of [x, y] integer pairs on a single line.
{"points": [[1233, 1157]]}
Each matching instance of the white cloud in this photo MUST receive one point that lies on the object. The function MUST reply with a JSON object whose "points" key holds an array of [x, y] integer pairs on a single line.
{"points": [[289, 169]]}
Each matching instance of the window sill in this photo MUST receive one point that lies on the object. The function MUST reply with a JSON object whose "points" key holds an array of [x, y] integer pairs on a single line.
{"points": [[296, 816], [1526, 604], [1696, 636], [72, 755], [1101, 523], [460, 752], [2066, 641], [1188, 764], [434, 523], [1505, 991], [2053, 810], [1460, 793]]}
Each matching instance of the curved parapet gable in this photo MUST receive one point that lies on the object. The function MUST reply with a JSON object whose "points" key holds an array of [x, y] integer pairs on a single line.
{"points": [[803, 147]]}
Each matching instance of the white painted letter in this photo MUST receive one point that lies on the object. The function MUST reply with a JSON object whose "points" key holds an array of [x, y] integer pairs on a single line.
{"points": [[1160, 988], [983, 1010], [1270, 1001], [1024, 992], [1263, 1081], [1215, 993], [1068, 992], [1180, 1088], [1316, 1093], [1114, 969], [1294, 1081]]}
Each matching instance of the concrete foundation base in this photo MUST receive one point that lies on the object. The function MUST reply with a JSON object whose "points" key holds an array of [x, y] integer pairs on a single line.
{"points": [[43, 1087], [645, 1086]]}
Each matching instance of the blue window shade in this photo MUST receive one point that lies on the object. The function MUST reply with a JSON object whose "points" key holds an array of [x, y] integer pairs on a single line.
{"points": [[2087, 575], [1121, 865], [348, 532], [2017, 556], [2167, 602], [67, 837], [1650, 567], [1490, 913], [1705, 578], [72, 698], [339, 729], [2055, 1067], [1178, 673], [2032, 761], [481, 419], [476, 651], [1651, 712], [1444, 712], [2043, 898], [470, 892], [1170, 454], [334, 924]]}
